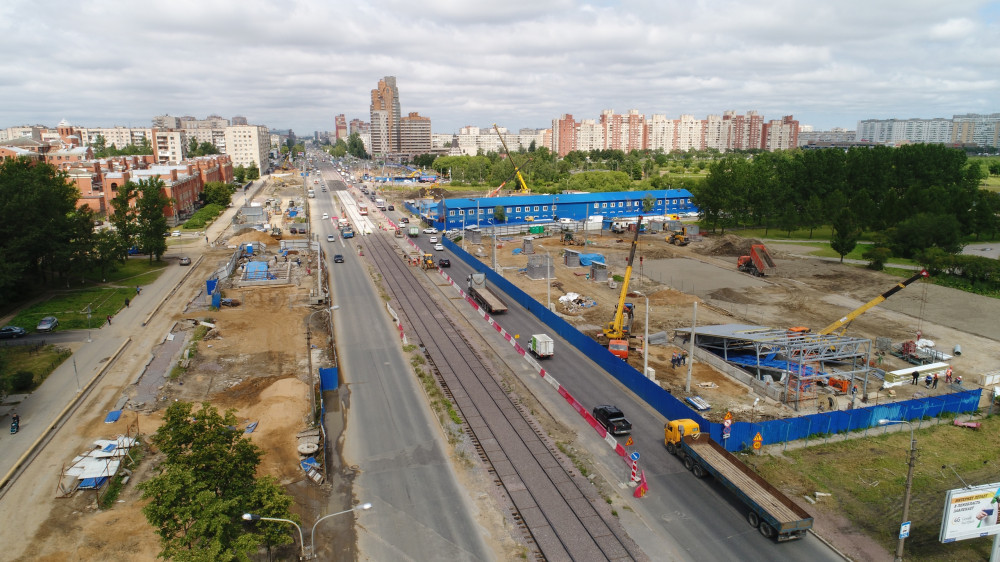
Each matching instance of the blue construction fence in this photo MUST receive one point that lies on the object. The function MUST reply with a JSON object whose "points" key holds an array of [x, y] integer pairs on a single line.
{"points": [[741, 433]]}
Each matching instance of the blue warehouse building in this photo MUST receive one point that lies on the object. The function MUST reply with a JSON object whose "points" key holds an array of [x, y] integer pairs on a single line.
{"points": [[527, 209]]}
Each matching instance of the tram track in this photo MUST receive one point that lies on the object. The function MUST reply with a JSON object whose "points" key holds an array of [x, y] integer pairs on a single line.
{"points": [[557, 509]]}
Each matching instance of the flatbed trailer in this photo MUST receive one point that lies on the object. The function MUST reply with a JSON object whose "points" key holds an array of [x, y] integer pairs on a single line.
{"points": [[768, 509], [484, 296]]}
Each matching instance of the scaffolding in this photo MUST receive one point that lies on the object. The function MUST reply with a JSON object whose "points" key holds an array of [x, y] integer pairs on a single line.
{"points": [[801, 363]]}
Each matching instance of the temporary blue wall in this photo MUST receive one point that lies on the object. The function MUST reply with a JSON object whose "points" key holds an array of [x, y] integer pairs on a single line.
{"points": [[742, 433]]}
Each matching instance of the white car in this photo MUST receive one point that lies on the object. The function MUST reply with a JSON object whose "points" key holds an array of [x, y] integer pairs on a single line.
{"points": [[175, 233], [331, 238], [326, 216], [430, 230], [439, 247], [433, 239]]}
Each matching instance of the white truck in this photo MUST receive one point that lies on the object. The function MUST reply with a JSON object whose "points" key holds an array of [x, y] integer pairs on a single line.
{"points": [[541, 345]]}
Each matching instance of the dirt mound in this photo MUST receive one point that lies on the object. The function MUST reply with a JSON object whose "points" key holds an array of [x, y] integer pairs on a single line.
{"points": [[728, 245], [250, 235], [670, 297], [733, 296]]}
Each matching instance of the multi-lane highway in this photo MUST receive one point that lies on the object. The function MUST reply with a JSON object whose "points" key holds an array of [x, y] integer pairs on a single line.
{"points": [[681, 518]]}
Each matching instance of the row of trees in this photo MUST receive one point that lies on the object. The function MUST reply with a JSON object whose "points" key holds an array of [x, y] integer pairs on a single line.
{"points": [[102, 150], [913, 197], [47, 239], [354, 146]]}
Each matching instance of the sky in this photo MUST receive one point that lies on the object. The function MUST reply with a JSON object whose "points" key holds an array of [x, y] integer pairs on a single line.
{"points": [[518, 63]]}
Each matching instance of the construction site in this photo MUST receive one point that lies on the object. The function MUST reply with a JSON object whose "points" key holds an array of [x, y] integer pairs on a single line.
{"points": [[777, 333]]}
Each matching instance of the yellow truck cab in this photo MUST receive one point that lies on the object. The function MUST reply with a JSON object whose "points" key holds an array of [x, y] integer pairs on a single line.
{"points": [[675, 430]]}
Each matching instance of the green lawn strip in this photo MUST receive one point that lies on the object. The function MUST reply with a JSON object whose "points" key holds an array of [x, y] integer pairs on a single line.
{"points": [[40, 362], [867, 476], [70, 306]]}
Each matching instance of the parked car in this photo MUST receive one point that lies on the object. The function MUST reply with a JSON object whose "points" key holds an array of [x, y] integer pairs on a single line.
{"points": [[47, 324], [612, 419], [11, 332], [430, 230], [175, 233], [338, 258], [439, 247], [331, 238], [444, 262], [185, 261]]}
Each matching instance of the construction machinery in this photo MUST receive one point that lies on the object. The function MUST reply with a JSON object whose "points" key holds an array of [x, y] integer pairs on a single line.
{"points": [[517, 169], [843, 322], [758, 263], [427, 262], [678, 237], [616, 331], [568, 240]]}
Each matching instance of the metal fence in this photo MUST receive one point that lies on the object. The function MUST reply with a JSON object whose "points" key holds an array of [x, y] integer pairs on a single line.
{"points": [[741, 433]]}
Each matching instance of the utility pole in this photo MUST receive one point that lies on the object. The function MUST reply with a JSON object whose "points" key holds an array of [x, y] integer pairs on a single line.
{"points": [[690, 362]]}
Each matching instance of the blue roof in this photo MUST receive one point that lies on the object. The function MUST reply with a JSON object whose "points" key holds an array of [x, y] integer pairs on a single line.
{"points": [[595, 197]]}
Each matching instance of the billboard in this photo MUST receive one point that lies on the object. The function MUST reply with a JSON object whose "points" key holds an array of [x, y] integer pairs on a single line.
{"points": [[971, 512]]}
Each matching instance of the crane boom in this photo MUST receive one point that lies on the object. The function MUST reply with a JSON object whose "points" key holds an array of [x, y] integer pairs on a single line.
{"points": [[517, 170], [615, 330], [871, 304]]}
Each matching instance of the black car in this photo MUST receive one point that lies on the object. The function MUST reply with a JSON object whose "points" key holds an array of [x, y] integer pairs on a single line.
{"points": [[338, 258], [444, 262], [391, 208], [10, 332], [612, 419]]}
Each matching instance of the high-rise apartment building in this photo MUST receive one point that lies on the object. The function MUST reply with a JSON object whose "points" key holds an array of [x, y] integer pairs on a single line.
{"points": [[248, 144], [563, 135], [414, 134], [169, 145], [975, 128], [385, 117], [340, 128], [780, 134]]}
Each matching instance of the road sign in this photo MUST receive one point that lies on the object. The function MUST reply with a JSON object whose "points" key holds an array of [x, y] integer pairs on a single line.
{"points": [[904, 530], [726, 431], [727, 422], [629, 442], [757, 439], [634, 456]]}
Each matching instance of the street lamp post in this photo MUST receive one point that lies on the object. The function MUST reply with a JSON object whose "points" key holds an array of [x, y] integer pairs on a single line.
{"points": [[312, 537], [645, 337], [302, 542], [548, 279], [909, 483]]}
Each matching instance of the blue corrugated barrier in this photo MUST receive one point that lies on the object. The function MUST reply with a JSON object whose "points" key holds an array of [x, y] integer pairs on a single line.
{"points": [[328, 378], [741, 433]]}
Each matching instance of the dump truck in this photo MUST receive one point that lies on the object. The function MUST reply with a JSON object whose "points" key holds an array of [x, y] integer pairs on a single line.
{"points": [[413, 231], [758, 263], [483, 296], [768, 510], [541, 346]]}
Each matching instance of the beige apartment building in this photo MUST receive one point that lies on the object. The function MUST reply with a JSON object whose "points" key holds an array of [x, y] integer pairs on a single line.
{"points": [[248, 145]]}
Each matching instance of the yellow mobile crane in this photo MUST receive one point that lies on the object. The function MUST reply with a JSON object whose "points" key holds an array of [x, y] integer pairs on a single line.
{"points": [[842, 323], [616, 331], [517, 169]]}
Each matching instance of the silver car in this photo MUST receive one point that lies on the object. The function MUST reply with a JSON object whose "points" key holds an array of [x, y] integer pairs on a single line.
{"points": [[47, 324]]}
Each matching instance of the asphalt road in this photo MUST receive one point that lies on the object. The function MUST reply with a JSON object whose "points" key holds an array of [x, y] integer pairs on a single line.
{"points": [[420, 512], [682, 517]]}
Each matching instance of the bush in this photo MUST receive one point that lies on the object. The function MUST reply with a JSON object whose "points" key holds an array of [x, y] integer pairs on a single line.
{"points": [[21, 381]]}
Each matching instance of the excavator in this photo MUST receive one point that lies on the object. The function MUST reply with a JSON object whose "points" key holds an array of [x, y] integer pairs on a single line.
{"points": [[843, 322], [517, 169], [617, 332]]}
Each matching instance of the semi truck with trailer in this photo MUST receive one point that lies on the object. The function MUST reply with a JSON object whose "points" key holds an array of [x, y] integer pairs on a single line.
{"points": [[767, 509], [483, 296]]}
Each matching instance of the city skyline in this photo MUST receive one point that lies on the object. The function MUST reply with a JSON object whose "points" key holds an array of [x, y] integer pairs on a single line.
{"points": [[521, 65]]}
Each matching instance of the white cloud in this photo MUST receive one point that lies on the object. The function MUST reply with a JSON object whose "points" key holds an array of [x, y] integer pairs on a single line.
{"points": [[518, 63]]}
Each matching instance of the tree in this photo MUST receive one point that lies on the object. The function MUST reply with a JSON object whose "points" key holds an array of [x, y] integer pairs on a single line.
{"points": [[926, 230], [205, 484], [217, 193], [356, 147], [253, 172], [239, 174], [152, 223], [499, 215], [845, 233]]}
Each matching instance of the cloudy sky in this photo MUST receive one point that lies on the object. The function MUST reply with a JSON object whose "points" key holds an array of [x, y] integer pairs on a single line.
{"points": [[518, 63]]}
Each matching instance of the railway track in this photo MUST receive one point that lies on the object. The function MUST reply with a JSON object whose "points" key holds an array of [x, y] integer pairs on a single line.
{"points": [[554, 507]]}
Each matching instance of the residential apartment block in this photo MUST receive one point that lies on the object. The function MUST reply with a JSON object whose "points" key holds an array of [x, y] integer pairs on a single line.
{"points": [[968, 129], [248, 145]]}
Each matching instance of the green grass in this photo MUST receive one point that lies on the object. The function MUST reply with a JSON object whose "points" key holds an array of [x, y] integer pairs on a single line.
{"points": [[41, 362], [70, 305], [867, 475]]}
